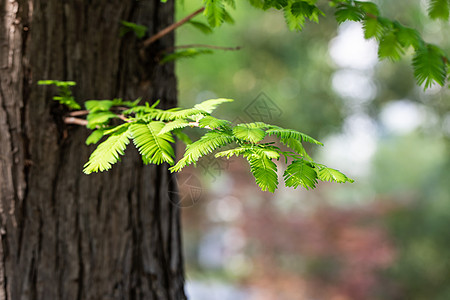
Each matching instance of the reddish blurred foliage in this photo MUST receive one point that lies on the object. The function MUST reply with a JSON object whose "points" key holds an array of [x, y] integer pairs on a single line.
{"points": [[328, 254]]}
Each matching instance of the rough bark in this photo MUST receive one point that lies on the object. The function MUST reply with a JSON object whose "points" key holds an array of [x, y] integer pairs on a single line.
{"points": [[65, 235]]}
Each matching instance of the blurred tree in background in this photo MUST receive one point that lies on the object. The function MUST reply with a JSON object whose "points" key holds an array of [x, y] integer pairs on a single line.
{"points": [[384, 237]]}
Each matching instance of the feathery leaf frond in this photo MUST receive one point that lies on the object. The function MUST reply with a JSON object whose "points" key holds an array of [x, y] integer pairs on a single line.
{"points": [[300, 172], [214, 12], [251, 150], [209, 142], [265, 172], [329, 174], [289, 133], [297, 146], [107, 153], [95, 136], [99, 118], [247, 133], [182, 136], [294, 21], [390, 47], [213, 123], [155, 148], [348, 12], [210, 105], [201, 26], [429, 66], [373, 28], [177, 124], [439, 9]]}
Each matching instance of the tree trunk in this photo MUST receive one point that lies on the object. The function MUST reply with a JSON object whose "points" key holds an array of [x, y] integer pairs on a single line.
{"points": [[65, 235]]}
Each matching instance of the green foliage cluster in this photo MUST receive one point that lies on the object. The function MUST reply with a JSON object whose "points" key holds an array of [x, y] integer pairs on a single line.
{"points": [[430, 63], [138, 30], [64, 94], [152, 131]]}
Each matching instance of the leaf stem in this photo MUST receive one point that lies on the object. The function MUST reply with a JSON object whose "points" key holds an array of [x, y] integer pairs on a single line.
{"points": [[204, 46], [171, 28]]}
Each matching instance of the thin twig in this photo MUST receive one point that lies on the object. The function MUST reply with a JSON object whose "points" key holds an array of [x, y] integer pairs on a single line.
{"points": [[204, 46], [197, 124], [171, 28], [75, 121], [78, 113], [123, 118]]}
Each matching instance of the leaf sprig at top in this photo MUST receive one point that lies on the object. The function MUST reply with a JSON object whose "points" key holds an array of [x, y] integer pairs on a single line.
{"points": [[152, 131], [430, 63], [394, 38]]}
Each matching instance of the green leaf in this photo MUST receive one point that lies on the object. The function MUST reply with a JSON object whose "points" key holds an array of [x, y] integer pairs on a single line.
{"points": [[439, 9], [185, 53], [390, 47], [297, 146], [291, 134], [95, 136], [64, 94], [265, 172], [107, 153], [227, 18], [98, 105], [116, 128], [300, 172], [214, 12], [257, 3], [231, 3], [368, 7], [201, 26], [193, 113], [58, 83], [153, 147], [139, 30], [177, 124], [294, 21], [306, 10], [120, 102], [99, 118], [247, 133], [409, 37], [230, 152], [212, 123], [251, 150], [182, 136], [373, 28], [429, 66], [210, 105], [68, 101], [329, 174], [348, 12], [209, 142]]}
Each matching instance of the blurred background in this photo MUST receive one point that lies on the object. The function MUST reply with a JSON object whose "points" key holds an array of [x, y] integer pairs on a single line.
{"points": [[387, 235]]}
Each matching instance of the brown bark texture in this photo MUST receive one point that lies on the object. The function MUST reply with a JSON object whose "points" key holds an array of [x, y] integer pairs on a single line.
{"points": [[66, 235]]}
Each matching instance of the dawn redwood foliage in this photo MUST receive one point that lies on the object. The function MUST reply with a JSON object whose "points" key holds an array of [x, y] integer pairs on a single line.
{"points": [[152, 131], [116, 235]]}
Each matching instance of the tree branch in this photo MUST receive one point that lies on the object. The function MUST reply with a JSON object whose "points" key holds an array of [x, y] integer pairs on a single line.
{"points": [[75, 121], [171, 28], [78, 113], [204, 46]]}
